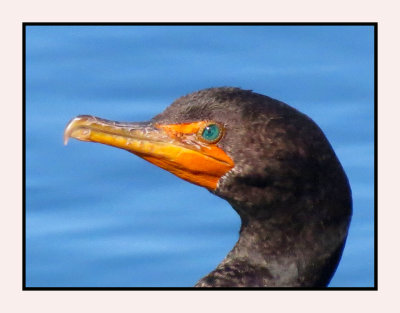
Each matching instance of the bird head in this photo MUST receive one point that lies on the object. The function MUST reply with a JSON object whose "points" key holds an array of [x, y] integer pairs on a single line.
{"points": [[258, 153]]}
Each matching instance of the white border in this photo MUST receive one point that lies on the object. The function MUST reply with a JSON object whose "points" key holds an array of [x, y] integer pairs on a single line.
{"points": [[16, 300]]}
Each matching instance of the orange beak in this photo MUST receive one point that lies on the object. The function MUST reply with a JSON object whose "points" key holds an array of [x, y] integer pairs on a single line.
{"points": [[175, 148]]}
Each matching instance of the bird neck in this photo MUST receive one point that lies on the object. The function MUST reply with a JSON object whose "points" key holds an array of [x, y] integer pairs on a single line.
{"points": [[269, 252], [285, 252]]}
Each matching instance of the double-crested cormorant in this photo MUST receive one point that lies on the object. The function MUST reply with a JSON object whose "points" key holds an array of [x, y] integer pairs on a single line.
{"points": [[272, 163]]}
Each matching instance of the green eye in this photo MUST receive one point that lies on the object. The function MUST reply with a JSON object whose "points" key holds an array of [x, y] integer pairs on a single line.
{"points": [[211, 133]]}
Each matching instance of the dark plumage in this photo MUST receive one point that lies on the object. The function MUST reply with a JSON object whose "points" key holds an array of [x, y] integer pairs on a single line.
{"points": [[279, 173], [287, 185]]}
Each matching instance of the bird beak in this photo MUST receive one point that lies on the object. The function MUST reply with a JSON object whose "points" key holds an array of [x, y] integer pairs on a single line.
{"points": [[174, 148]]}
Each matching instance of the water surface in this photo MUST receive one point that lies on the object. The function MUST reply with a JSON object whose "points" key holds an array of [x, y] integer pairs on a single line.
{"points": [[101, 217]]}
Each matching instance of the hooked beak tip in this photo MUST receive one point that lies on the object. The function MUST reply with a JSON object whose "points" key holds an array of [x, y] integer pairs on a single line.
{"points": [[66, 138]]}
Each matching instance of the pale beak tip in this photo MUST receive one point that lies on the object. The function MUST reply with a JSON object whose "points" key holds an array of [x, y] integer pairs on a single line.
{"points": [[66, 138], [67, 132]]}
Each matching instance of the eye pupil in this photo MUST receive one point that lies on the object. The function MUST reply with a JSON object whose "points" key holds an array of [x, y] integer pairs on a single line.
{"points": [[211, 132]]}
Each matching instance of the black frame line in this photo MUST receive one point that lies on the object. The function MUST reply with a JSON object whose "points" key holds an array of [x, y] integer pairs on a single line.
{"points": [[25, 24], [199, 24], [23, 157], [376, 155]]}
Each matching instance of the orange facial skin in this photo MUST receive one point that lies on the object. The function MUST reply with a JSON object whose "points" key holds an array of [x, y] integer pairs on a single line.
{"points": [[177, 148]]}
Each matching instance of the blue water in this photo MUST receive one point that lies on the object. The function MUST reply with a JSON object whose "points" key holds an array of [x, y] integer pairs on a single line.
{"points": [[100, 216]]}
